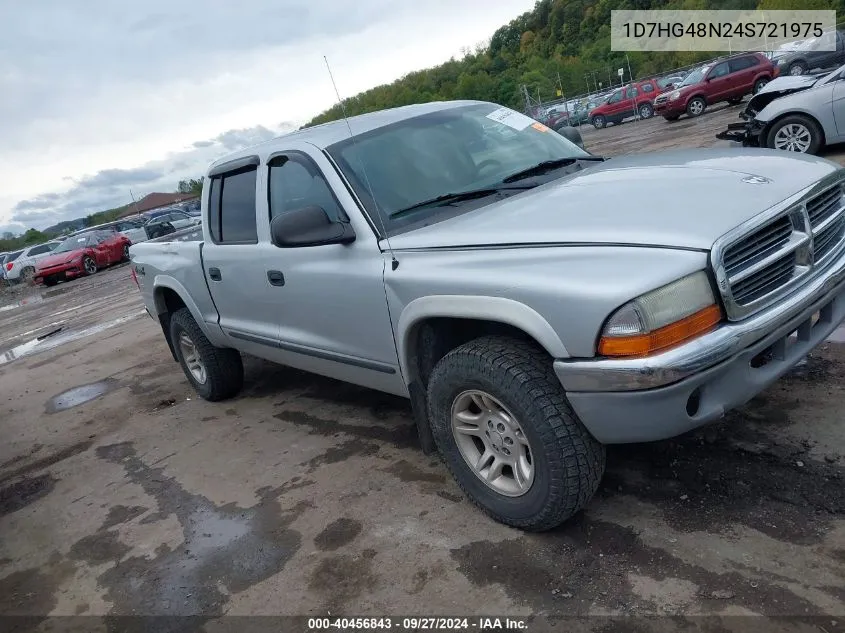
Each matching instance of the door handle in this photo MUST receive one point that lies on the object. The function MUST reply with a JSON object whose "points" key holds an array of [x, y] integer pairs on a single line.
{"points": [[275, 277], [214, 274]]}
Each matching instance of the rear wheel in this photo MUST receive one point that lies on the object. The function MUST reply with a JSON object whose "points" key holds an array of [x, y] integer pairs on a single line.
{"points": [[696, 106], [89, 265], [759, 85], [126, 252], [216, 373], [646, 111], [28, 274], [501, 421], [797, 68], [599, 121], [795, 133]]}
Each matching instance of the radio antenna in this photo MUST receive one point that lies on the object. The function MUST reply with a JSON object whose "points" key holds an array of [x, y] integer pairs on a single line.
{"points": [[394, 263]]}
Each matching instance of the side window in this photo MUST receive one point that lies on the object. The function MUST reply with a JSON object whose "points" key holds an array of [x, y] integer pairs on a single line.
{"points": [[38, 250], [647, 88], [616, 97], [296, 182], [742, 63], [720, 70], [235, 207], [630, 92]]}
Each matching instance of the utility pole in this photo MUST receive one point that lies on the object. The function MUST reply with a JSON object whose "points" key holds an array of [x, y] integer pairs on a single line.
{"points": [[134, 202]]}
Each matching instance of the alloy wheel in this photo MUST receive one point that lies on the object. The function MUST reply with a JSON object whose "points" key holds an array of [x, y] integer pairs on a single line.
{"points": [[793, 137], [192, 358], [492, 443]]}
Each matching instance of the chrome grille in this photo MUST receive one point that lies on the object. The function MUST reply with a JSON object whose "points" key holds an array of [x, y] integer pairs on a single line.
{"points": [[758, 245], [757, 266]]}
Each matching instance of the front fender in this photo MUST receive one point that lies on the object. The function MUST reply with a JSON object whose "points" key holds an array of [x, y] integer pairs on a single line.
{"points": [[498, 309]]}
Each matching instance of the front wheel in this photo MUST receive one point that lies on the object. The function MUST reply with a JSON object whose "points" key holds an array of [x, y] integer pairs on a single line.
{"points": [[696, 106], [216, 373], [502, 423], [599, 121], [646, 111], [89, 265], [796, 133]]}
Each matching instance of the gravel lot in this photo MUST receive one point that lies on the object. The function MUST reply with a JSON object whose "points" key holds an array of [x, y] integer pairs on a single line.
{"points": [[121, 493]]}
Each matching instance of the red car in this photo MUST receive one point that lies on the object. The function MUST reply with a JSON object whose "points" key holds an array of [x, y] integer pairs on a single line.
{"points": [[728, 80], [82, 255], [636, 98]]}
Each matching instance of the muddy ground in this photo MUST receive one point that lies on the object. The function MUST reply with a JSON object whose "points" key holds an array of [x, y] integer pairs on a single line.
{"points": [[121, 493]]}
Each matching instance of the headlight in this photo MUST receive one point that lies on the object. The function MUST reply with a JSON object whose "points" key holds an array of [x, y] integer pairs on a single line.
{"points": [[675, 95], [661, 318]]}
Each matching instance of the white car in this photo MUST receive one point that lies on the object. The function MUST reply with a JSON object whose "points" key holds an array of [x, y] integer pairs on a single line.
{"points": [[20, 265]]}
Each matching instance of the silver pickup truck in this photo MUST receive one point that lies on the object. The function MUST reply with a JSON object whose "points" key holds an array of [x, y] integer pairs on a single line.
{"points": [[533, 301]]}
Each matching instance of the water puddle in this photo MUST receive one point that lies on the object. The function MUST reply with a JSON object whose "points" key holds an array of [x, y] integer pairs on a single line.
{"points": [[80, 395], [56, 337]]}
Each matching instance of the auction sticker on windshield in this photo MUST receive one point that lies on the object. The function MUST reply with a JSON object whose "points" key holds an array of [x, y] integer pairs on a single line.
{"points": [[511, 118]]}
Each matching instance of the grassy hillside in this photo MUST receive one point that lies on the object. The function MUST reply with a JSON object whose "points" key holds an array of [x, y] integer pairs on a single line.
{"points": [[559, 37]]}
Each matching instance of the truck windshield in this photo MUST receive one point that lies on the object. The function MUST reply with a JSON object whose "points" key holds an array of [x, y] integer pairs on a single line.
{"points": [[460, 149]]}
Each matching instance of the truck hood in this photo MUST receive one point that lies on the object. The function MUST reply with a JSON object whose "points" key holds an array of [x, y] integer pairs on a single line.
{"points": [[684, 199]]}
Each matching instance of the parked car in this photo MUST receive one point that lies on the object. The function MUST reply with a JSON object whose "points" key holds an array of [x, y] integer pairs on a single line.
{"points": [[556, 117], [21, 265], [2, 267], [794, 113], [727, 80], [809, 56], [157, 227], [529, 317], [117, 226], [82, 255], [636, 99]]}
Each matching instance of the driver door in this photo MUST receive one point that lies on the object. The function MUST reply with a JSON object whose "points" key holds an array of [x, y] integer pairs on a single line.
{"points": [[719, 83], [102, 254]]}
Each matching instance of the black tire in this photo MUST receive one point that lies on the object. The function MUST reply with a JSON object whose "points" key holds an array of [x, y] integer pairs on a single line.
{"points": [[735, 101], [599, 121], [797, 68], [759, 85], [223, 366], [27, 275], [568, 462], [50, 281], [693, 105], [646, 111], [89, 265], [816, 134], [672, 117], [125, 253]]}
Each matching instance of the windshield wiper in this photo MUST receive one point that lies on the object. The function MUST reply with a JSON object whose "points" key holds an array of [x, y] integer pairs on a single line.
{"points": [[460, 196], [548, 165]]}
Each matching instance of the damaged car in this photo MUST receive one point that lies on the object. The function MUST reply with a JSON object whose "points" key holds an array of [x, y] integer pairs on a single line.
{"points": [[794, 113]]}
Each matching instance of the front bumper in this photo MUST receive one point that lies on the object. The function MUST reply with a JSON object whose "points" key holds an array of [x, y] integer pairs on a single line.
{"points": [[65, 271], [747, 132], [670, 108], [646, 399]]}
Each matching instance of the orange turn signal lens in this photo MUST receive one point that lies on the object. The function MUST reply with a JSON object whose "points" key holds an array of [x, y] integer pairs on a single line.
{"points": [[662, 338]]}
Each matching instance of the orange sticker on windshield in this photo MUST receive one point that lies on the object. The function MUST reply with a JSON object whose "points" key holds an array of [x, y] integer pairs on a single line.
{"points": [[539, 127]]}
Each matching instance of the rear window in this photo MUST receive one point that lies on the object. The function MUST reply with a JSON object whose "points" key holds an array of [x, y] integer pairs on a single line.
{"points": [[39, 250], [13, 256], [232, 207]]}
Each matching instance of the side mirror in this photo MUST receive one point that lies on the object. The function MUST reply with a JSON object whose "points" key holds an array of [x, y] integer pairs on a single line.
{"points": [[309, 226]]}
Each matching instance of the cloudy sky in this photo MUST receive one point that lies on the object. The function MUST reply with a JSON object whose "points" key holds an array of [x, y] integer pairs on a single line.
{"points": [[99, 99]]}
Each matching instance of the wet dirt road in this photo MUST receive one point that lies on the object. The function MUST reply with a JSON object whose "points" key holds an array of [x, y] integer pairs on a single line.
{"points": [[122, 493]]}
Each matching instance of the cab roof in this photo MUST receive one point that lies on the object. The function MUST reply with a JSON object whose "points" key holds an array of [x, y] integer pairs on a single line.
{"points": [[326, 134]]}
